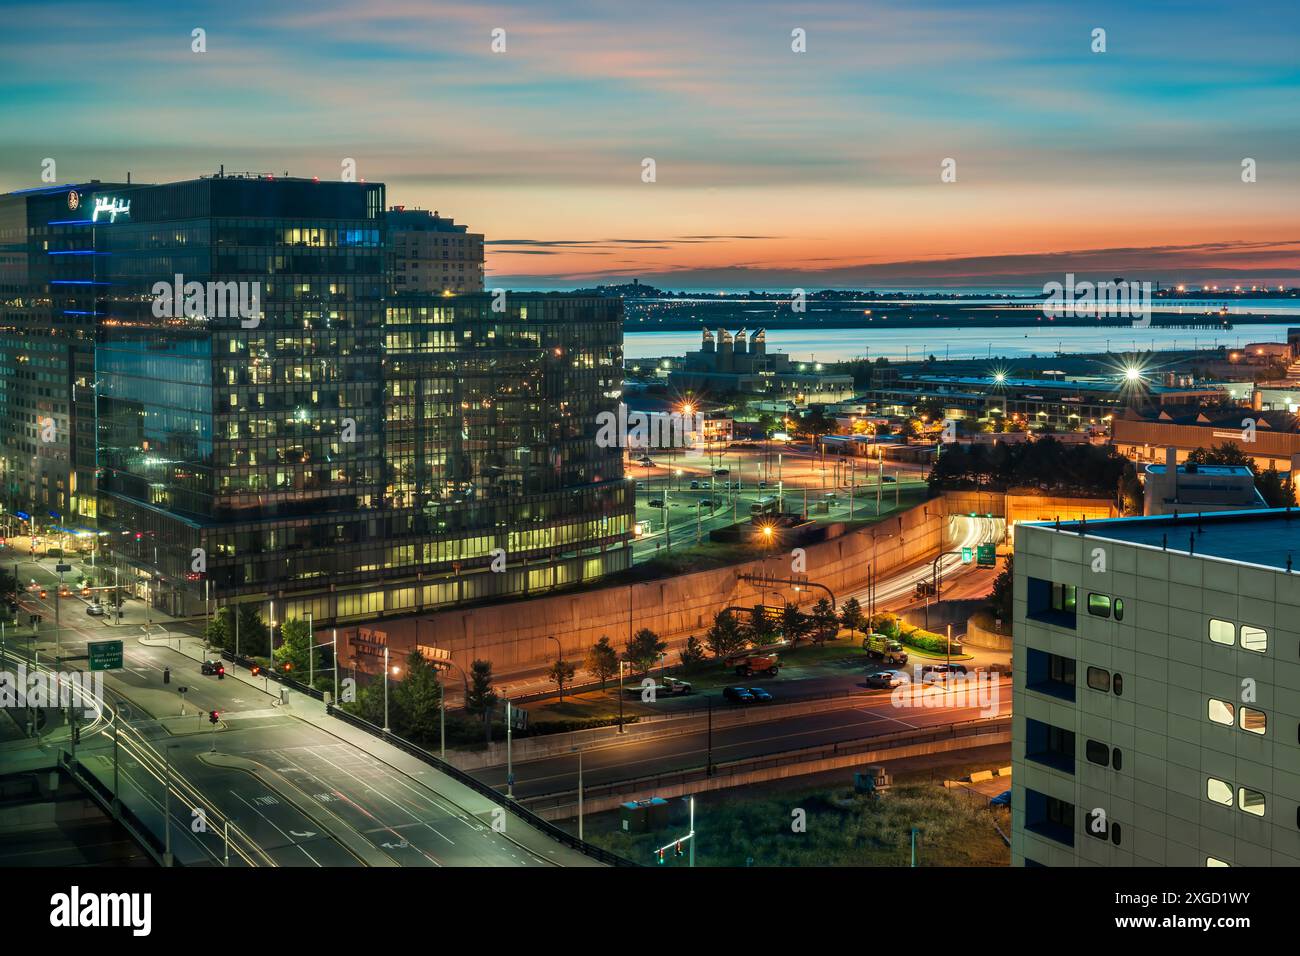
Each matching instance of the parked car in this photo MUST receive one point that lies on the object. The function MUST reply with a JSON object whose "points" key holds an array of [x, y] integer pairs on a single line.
{"points": [[888, 479], [213, 667], [695, 483], [949, 668], [886, 679], [95, 609], [760, 696], [1003, 799], [737, 695]]}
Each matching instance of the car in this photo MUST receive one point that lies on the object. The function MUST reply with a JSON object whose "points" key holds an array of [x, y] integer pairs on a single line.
{"points": [[65, 592], [673, 685], [656, 502], [213, 667], [762, 484], [645, 460], [1003, 799], [737, 695], [886, 679], [706, 503], [721, 472], [889, 479], [695, 483], [760, 696], [95, 610], [946, 667]]}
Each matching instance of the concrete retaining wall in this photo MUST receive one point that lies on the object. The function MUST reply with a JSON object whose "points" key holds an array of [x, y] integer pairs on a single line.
{"points": [[987, 637], [518, 634]]}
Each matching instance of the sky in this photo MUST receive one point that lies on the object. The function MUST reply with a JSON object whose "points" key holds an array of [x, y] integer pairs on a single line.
{"points": [[772, 168]]}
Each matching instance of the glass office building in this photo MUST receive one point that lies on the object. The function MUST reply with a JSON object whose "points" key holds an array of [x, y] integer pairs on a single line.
{"points": [[266, 423]]}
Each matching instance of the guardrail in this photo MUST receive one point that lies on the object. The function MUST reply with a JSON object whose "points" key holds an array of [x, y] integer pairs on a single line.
{"points": [[271, 673], [545, 826], [971, 728]]}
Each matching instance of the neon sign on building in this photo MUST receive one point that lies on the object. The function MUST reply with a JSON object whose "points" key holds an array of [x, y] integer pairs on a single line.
{"points": [[112, 206]]}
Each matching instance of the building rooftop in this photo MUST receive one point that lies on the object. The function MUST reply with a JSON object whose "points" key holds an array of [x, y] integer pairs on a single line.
{"points": [[986, 382], [1267, 538]]}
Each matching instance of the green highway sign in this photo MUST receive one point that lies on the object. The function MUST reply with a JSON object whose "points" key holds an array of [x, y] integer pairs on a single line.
{"points": [[965, 555], [105, 655], [988, 555]]}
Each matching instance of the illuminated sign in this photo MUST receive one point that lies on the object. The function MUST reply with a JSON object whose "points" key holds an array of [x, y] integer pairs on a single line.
{"points": [[74, 199], [112, 206]]}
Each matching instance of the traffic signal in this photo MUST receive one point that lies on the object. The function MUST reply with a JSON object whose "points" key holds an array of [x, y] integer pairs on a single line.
{"points": [[288, 666], [660, 855], [221, 672], [680, 851], [214, 716]]}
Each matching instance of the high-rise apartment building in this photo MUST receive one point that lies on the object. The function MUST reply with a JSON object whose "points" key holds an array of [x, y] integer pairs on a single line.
{"points": [[269, 422], [428, 253], [1157, 692]]}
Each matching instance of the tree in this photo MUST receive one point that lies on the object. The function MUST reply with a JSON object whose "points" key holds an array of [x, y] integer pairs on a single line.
{"points": [[560, 674], [253, 636], [482, 698], [825, 623], [1226, 453], [644, 650], [602, 660], [294, 646], [760, 627], [851, 616], [692, 655], [725, 636], [220, 630], [417, 699], [1130, 491], [1277, 492], [1000, 598], [794, 624]]}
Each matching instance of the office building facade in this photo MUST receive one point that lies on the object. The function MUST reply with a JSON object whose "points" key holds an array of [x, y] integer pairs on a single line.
{"points": [[268, 422], [1157, 692], [431, 253]]}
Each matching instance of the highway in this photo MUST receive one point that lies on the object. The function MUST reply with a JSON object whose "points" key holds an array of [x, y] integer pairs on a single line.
{"points": [[302, 788], [871, 715]]}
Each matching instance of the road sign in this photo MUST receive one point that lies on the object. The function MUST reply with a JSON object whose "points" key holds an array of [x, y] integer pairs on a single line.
{"points": [[988, 555], [966, 555], [105, 655], [62, 567]]}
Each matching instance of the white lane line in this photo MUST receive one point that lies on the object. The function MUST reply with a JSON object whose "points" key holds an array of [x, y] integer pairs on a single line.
{"points": [[291, 840]]}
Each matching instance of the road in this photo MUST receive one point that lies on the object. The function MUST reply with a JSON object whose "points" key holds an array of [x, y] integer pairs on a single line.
{"points": [[306, 792], [876, 714]]}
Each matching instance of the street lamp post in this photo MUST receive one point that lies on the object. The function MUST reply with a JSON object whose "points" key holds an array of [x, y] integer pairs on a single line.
{"points": [[385, 688]]}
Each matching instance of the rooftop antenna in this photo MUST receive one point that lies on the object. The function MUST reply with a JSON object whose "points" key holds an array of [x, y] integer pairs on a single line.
{"points": [[1288, 562], [1191, 543], [1164, 542]]}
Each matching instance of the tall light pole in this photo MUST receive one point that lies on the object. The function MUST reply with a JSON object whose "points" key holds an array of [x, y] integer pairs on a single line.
{"points": [[335, 653], [385, 688]]}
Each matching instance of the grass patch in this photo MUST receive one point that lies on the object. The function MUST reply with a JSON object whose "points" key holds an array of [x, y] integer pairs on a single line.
{"points": [[843, 828]]}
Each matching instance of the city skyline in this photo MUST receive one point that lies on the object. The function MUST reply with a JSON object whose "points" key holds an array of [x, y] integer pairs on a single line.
{"points": [[772, 168]]}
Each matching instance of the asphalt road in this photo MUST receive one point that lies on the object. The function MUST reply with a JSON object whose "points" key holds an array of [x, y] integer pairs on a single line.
{"points": [[876, 715]]}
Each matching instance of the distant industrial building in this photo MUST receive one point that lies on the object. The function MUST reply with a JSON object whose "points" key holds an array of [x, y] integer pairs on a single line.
{"points": [[739, 363], [1270, 438], [1172, 488], [1018, 403]]}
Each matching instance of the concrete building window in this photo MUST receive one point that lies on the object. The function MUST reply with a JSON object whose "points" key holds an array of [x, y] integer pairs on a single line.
{"points": [[1221, 711], [1049, 817], [1064, 598], [1099, 605], [1049, 745], [1114, 833], [1254, 638], [1212, 861], [1119, 609], [1050, 674], [1252, 801], [1255, 721], [1223, 632], [1097, 753], [1117, 684], [1116, 759], [1098, 679], [1219, 791], [1052, 603]]}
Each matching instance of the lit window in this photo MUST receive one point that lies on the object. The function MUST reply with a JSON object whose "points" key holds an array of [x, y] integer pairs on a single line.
{"points": [[1223, 632], [1254, 638], [1099, 679], [1211, 861], [1219, 791], [1252, 801], [1221, 712], [1099, 605], [1256, 721]]}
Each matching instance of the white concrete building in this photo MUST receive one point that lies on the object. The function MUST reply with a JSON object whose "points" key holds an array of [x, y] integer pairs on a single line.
{"points": [[1157, 692]]}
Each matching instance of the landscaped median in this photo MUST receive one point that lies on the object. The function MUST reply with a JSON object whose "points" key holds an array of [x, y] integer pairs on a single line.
{"points": [[924, 643]]}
